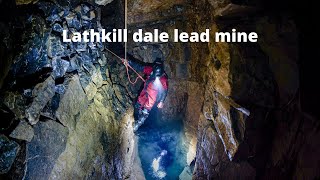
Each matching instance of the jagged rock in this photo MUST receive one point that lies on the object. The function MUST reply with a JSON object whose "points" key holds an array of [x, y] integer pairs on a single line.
{"points": [[57, 27], [84, 9], [76, 138], [74, 64], [16, 103], [92, 15], [85, 58], [141, 6], [49, 111], [103, 60], [92, 83], [23, 132], [42, 93], [48, 143], [96, 54], [80, 46], [53, 18], [21, 2], [85, 79], [229, 122], [55, 47], [60, 67], [27, 93], [103, 2], [60, 89], [33, 57], [65, 12], [86, 24], [8, 152], [72, 103], [73, 21]]}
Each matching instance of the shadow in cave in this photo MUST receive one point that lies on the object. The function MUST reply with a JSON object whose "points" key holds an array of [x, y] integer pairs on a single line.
{"points": [[162, 147]]}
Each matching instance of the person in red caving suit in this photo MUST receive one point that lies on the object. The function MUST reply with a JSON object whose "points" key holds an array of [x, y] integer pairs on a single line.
{"points": [[154, 91]]}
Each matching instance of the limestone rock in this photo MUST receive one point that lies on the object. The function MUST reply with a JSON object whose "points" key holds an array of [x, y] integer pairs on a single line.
{"points": [[92, 145], [72, 103], [82, 133], [33, 58], [23, 131], [48, 143], [146, 6], [92, 82], [57, 27], [42, 93], [210, 151], [103, 2], [55, 47], [229, 122], [21, 2], [60, 67], [8, 152], [16, 103]]}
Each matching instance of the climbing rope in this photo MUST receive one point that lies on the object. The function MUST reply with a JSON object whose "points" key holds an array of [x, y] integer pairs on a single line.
{"points": [[127, 65], [127, 69], [125, 26]]}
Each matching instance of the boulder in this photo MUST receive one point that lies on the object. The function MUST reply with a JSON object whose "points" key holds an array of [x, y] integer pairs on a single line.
{"points": [[60, 67], [72, 103], [8, 152], [48, 143], [42, 93], [16, 103], [23, 132], [103, 2]]}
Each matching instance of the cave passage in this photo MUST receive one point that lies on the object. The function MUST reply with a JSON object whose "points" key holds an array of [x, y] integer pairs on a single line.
{"points": [[162, 147]]}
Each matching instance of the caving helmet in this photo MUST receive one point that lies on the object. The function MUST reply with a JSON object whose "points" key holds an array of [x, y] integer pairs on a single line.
{"points": [[158, 68]]}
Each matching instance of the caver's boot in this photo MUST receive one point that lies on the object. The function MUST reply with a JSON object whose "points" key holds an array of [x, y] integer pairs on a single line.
{"points": [[142, 117]]}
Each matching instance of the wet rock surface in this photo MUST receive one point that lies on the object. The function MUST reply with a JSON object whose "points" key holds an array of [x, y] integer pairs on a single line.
{"points": [[71, 113]]}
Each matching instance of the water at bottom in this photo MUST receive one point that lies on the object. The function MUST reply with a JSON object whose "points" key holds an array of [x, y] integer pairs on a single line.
{"points": [[162, 149]]}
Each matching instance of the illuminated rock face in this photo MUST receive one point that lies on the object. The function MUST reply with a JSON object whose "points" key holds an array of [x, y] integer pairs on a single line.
{"points": [[74, 110]]}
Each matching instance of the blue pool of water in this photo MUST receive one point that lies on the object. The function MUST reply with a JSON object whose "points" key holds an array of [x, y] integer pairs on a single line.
{"points": [[162, 149]]}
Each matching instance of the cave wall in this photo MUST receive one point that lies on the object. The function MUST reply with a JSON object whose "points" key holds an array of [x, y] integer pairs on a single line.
{"points": [[242, 98], [275, 140], [67, 112]]}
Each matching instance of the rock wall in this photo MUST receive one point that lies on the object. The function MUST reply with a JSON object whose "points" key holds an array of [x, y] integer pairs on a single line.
{"points": [[263, 78], [240, 97], [69, 113]]}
